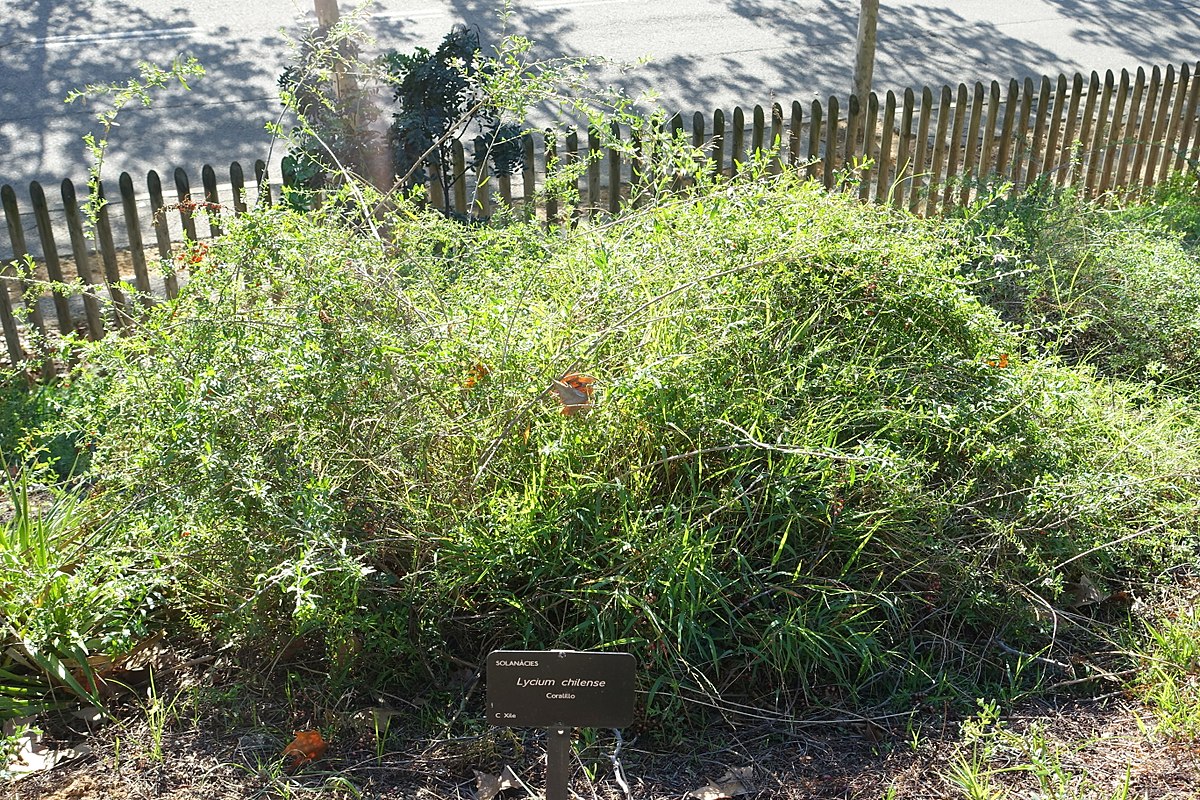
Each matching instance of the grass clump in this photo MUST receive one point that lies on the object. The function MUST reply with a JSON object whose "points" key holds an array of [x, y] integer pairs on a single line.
{"points": [[1118, 289], [813, 458]]}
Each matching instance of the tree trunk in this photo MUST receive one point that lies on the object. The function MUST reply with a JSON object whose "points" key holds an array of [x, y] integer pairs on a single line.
{"points": [[864, 62]]}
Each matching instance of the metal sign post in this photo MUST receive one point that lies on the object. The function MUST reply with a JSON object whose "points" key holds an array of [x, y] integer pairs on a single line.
{"points": [[560, 690]]}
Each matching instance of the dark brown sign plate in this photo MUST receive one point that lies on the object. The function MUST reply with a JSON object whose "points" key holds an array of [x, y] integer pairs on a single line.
{"points": [[568, 688]]}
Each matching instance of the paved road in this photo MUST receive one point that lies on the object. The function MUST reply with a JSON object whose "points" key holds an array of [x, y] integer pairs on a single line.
{"points": [[706, 54]]}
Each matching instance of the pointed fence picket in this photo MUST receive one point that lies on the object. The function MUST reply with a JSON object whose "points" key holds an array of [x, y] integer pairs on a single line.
{"points": [[69, 268]]}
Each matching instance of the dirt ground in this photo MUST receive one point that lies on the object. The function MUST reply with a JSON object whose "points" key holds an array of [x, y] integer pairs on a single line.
{"points": [[223, 743]]}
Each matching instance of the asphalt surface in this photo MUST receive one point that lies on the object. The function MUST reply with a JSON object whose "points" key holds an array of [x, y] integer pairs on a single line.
{"points": [[703, 54]]}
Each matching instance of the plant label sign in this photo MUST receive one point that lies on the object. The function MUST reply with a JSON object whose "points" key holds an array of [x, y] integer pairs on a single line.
{"points": [[560, 688]]}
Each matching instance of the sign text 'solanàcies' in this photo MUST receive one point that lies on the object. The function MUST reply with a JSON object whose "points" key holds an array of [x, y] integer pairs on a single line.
{"points": [[545, 688]]}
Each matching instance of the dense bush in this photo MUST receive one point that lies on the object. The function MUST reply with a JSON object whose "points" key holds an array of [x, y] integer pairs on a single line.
{"points": [[813, 457], [1117, 289]]}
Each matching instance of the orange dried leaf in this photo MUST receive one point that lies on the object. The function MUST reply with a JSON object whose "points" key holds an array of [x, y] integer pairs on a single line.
{"points": [[575, 392], [307, 747]]}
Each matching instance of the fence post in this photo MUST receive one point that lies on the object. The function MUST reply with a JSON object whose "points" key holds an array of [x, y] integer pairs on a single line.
{"points": [[758, 131], [794, 134], [162, 228], [955, 145], [1052, 162], [1021, 143], [208, 178], [939, 151], [137, 250], [41, 215], [1129, 128], [904, 156], [8, 319], [1003, 165], [864, 178], [1154, 143], [16, 235], [982, 162], [831, 131], [83, 265], [776, 138], [1147, 120], [1189, 120], [918, 171], [1039, 130], [1114, 135], [814, 139], [108, 256], [237, 184], [614, 173], [263, 181], [738, 151], [1066, 161], [593, 172], [1083, 151], [1098, 152], [718, 151], [1172, 134], [882, 187]]}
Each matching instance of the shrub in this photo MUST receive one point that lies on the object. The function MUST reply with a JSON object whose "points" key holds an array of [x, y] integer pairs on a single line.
{"points": [[1115, 289], [813, 457]]}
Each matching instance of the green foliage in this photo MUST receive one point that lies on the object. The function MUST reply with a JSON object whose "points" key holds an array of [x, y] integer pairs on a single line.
{"points": [[116, 96], [439, 99], [66, 593], [25, 408], [1119, 290], [814, 457]]}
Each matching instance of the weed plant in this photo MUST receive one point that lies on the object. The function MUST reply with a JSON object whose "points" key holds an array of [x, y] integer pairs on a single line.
{"points": [[816, 468]]}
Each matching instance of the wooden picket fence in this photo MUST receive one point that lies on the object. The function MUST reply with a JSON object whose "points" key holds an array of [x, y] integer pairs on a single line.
{"points": [[928, 152]]}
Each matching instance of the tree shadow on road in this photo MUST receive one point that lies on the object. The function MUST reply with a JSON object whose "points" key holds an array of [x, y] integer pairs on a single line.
{"points": [[50, 48]]}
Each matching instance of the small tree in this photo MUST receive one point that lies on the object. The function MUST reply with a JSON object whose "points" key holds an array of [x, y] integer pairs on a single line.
{"points": [[441, 100]]}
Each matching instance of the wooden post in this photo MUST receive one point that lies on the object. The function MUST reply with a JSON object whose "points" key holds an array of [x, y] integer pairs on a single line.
{"points": [[1189, 119], [868, 148], [593, 173], [1097, 153], [794, 131], [974, 172], [956, 145], [864, 60], [1033, 170], [1078, 166], [1067, 154], [162, 230], [1172, 134], [1130, 138], [41, 215], [83, 264], [919, 175], [831, 127], [133, 225], [16, 235], [885, 148], [108, 257], [1114, 136], [614, 173], [904, 167], [814, 138], [939, 150], [738, 156]]}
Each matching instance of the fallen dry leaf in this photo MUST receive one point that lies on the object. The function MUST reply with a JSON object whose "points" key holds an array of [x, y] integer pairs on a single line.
{"points": [[488, 786], [33, 756], [575, 392], [307, 747], [734, 783]]}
